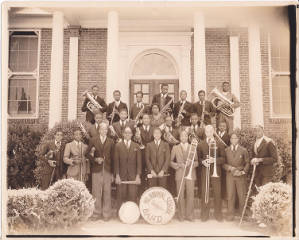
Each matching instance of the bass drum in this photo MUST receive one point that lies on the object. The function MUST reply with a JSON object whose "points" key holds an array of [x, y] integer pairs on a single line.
{"points": [[157, 206]]}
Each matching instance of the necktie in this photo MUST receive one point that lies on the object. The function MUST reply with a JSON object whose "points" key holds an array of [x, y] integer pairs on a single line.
{"points": [[127, 144]]}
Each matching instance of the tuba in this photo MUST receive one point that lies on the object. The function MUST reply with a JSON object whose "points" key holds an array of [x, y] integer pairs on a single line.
{"points": [[221, 103], [92, 104]]}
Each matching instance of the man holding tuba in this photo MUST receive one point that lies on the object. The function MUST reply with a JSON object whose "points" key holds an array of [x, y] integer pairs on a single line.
{"points": [[93, 102], [220, 116], [211, 152], [163, 99], [181, 164]]}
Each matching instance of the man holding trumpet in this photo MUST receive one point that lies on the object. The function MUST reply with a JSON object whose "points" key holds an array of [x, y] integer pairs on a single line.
{"points": [[181, 164], [127, 168], [211, 152]]}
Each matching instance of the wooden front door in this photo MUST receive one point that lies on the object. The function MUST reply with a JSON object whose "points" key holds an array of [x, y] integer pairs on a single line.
{"points": [[152, 87]]}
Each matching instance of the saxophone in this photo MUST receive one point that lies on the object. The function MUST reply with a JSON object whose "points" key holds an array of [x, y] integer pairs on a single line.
{"points": [[166, 107], [137, 118]]}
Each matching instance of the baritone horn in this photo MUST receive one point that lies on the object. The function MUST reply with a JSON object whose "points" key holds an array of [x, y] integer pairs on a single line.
{"points": [[92, 104], [221, 103]]}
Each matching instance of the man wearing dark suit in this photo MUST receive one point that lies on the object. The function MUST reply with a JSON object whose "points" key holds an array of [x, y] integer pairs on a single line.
{"points": [[205, 105], [124, 122], [194, 127], [101, 101], [264, 156], [138, 108], [116, 105], [101, 168], [53, 151], [215, 182], [127, 163], [157, 157], [186, 107], [237, 166], [93, 130], [163, 98]]}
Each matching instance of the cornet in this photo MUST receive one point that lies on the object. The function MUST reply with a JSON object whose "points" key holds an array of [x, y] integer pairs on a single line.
{"points": [[92, 104], [114, 133]]}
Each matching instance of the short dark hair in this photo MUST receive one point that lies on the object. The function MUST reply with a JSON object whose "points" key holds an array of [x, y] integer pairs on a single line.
{"points": [[123, 110], [225, 82], [223, 122], [234, 133], [139, 92], [157, 129], [193, 114], [58, 130], [155, 104], [93, 86], [164, 84], [201, 91], [115, 91]]}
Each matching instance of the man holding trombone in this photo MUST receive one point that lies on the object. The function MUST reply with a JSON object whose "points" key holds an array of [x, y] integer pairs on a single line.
{"points": [[185, 176], [211, 155]]}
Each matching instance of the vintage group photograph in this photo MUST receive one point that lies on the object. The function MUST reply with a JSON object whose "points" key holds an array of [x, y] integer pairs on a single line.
{"points": [[148, 118]]}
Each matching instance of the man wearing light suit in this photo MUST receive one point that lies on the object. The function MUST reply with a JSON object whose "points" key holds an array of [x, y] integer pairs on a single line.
{"points": [[127, 167], [179, 155], [157, 157], [78, 168]]}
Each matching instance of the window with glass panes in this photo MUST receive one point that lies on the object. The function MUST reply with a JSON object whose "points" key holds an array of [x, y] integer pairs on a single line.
{"points": [[280, 63], [23, 73]]}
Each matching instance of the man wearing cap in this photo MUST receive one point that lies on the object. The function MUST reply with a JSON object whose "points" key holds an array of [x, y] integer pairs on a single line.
{"points": [[264, 156]]}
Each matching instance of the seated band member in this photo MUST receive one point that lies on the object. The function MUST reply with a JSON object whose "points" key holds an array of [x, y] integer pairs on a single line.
{"points": [[264, 156], [123, 122], [127, 164], [101, 170], [182, 110], [157, 119], [146, 135], [139, 108], [53, 151], [236, 103], [179, 155], [204, 109], [215, 182], [236, 166], [101, 101], [78, 165], [157, 157], [115, 106], [163, 98]]}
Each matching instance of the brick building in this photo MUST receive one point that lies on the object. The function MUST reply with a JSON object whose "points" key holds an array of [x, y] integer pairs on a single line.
{"points": [[58, 50]]}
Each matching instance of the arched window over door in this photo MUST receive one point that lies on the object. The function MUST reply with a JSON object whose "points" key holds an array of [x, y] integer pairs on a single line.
{"points": [[149, 71]]}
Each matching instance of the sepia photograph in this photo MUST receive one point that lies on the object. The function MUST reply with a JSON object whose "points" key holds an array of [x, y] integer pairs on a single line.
{"points": [[148, 119]]}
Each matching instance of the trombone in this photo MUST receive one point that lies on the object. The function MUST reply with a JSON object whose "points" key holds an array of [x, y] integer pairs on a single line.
{"points": [[190, 157]]}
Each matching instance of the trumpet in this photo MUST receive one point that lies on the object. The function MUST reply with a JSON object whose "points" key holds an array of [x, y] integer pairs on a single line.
{"points": [[114, 111], [92, 104], [83, 130], [192, 135], [178, 121], [221, 103], [138, 138]]}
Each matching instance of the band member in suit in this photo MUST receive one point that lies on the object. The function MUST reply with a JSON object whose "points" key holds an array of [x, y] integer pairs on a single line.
{"points": [[127, 162], [157, 157], [264, 156], [182, 110], [195, 128], [179, 155], [102, 171], [157, 119], [115, 106], [146, 136], [203, 157], [101, 101], [94, 129], [139, 108], [236, 103], [53, 151], [237, 166], [163, 98], [123, 123], [78, 168], [206, 106]]}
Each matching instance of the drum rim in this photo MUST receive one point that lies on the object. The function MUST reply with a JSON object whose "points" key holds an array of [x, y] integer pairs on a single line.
{"points": [[130, 202]]}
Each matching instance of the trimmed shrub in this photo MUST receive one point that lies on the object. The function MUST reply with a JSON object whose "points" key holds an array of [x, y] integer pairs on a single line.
{"points": [[273, 206], [21, 144], [64, 204], [68, 130]]}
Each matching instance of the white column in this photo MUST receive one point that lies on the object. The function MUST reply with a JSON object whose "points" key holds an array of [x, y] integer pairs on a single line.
{"points": [[185, 77], [199, 53], [112, 54], [73, 74], [255, 75], [55, 106], [235, 76]]}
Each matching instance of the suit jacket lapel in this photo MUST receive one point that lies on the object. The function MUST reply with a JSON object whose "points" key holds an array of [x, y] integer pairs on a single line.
{"points": [[261, 146]]}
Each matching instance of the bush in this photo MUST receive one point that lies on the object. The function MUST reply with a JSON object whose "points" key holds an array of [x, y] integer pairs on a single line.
{"points": [[64, 204], [21, 144], [273, 206], [68, 130]]}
